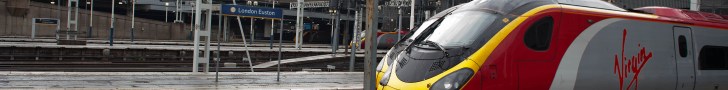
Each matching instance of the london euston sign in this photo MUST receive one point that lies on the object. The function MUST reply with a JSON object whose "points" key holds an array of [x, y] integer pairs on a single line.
{"points": [[241, 10]]}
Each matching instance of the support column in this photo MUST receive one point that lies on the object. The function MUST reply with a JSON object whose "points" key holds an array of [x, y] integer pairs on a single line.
{"points": [[177, 13], [225, 29], [32, 27], [332, 21], [272, 26], [399, 23], [412, 14], [217, 53], [427, 14], [354, 39], [91, 21], [252, 31], [201, 32], [72, 19], [113, 19], [280, 49], [336, 32], [133, 13], [695, 5], [371, 45], [299, 24]]}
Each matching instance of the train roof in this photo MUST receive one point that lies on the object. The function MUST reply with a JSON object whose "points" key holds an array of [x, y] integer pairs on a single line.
{"points": [[509, 6], [685, 15], [664, 13]]}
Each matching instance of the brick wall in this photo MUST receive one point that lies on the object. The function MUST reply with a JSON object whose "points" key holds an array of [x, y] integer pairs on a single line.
{"points": [[14, 25]]}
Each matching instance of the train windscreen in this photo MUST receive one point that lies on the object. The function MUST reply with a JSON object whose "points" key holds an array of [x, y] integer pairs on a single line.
{"points": [[442, 44], [458, 29]]}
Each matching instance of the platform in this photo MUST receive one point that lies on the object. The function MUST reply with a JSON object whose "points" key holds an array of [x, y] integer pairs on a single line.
{"points": [[22, 54], [258, 43], [169, 45], [180, 80]]}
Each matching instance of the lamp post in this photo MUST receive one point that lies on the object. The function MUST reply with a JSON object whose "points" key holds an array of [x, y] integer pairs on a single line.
{"points": [[399, 23], [176, 9], [272, 26], [252, 22], [111, 30], [177, 13], [133, 13], [58, 26], [334, 7], [91, 19], [252, 32], [166, 4], [412, 14], [332, 23], [299, 22], [334, 30]]}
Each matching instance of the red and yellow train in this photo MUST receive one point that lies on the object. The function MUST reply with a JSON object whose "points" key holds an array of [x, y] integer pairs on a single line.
{"points": [[560, 45]]}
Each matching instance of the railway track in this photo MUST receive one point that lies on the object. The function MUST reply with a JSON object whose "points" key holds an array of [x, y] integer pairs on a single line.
{"points": [[132, 64], [23, 56], [93, 66]]}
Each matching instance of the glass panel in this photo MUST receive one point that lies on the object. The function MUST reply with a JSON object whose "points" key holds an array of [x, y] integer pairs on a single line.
{"points": [[459, 29]]}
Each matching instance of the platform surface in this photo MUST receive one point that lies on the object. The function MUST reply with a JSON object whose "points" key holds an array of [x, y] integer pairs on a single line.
{"points": [[169, 45], [180, 80]]}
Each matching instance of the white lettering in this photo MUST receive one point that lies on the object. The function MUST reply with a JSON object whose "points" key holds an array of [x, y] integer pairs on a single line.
{"points": [[254, 11], [247, 11], [264, 12]]}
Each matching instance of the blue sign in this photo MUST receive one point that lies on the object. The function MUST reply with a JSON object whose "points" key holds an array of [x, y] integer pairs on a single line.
{"points": [[252, 11], [307, 26]]}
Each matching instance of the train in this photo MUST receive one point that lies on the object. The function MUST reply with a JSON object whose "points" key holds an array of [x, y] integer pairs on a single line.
{"points": [[560, 45], [385, 40]]}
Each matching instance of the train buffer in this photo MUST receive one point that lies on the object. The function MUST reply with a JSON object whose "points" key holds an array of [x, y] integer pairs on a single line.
{"points": [[69, 34]]}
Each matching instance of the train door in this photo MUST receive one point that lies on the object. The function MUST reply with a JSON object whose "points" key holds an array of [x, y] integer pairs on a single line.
{"points": [[684, 58], [535, 54]]}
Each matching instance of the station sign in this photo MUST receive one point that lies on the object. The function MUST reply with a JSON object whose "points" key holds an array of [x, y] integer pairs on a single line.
{"points": [[45, 20], [310, 4], [398, 3], [241, 10], [307, 26]]}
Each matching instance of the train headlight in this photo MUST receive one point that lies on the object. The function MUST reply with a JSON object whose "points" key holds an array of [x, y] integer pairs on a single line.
{"points": [[453, 81], [379, 66], [385, 78]]}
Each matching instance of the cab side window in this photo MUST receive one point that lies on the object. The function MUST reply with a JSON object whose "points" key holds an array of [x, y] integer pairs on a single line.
{"points": [[538, 35], [713, 58]]}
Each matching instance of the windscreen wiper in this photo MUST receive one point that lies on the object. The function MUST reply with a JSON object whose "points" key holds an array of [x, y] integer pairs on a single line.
{"points": [[426, 33], [438, 46]]}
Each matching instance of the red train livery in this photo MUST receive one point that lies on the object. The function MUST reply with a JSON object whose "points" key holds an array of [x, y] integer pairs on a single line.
{"points": [[560, 45]]}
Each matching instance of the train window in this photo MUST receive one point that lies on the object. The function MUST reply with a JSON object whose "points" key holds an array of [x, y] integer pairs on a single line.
{"points": [[682, 46], [713, 58], [538, 36]]}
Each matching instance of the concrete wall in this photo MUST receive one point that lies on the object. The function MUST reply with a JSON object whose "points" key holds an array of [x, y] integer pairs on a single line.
{"points": [[20, 25]]}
